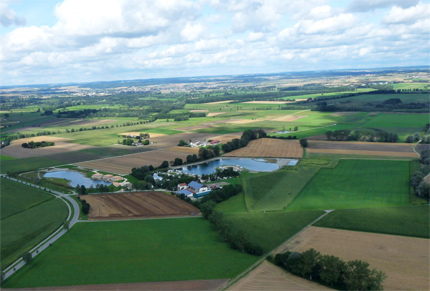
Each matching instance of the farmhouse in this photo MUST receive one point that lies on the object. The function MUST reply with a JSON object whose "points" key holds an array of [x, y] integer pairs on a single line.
{"points": [[182, 186], [214, 142], [97, 176], [197, 187], [198, 143], [186, 192]]}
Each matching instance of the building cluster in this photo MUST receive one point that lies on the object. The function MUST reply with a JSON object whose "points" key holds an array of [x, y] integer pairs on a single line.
{"points": [[194, 189], [202, 143], [115, 180]]}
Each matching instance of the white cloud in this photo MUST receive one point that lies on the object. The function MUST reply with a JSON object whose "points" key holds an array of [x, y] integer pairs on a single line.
{"points": [[369, 5], [8, 16], [408, 15]]}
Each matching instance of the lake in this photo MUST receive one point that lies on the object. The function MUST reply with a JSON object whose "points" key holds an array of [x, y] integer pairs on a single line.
{"points": [[258, 165], [75, 178]]}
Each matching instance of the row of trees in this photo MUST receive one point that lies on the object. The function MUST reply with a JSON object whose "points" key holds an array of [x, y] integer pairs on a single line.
{"points": [[421, 187], [361, 135], [331, 270], [85, 206], [247, 136], [417, 136], [37, 144]]}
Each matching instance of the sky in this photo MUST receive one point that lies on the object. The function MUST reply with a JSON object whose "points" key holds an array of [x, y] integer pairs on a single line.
{"points": [[52, 41]]}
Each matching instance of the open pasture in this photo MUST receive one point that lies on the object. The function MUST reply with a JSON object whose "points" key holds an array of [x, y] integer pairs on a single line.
{"points": [[111, 252], [404, 260], [356, 184], [267, 147], [270, 277], [406, 221], [362, 148], [137, 205], [62, 145]]}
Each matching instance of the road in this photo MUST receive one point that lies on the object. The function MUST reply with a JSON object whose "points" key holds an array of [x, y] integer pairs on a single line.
{"points": [[54, 236]]}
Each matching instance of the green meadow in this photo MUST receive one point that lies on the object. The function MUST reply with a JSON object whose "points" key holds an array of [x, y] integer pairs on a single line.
{"points": [[134, 251], [356, 184]]}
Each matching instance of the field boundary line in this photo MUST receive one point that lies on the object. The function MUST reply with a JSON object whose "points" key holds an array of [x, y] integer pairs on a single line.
{"points": [[229, 283]]}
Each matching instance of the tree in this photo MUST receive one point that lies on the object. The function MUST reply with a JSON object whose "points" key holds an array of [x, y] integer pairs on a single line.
{"points": [[308, 261], [177, 162], [410, 139], [296, 128], [423, 190], [182, 143], [85, 208], [331, 268], [164, 164], [66, 225], [27, 257], [83, 190], [207, 208], [304, 142]]}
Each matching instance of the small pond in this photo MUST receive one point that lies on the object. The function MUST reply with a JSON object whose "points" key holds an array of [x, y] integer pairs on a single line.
{"points": [[75, 178], [259, 165]]}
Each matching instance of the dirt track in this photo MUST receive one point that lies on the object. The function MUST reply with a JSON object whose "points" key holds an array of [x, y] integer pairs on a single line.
{"points": [[270, 277], [404, 260], [137, 205], [361, 148], [268, 147], [173, 285]]}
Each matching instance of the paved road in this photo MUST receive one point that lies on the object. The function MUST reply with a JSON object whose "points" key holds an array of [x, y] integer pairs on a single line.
{"points": [[53, 237]]}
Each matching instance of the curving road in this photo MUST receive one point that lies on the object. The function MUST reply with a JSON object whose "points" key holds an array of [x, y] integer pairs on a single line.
{"points": [[54, 236]]}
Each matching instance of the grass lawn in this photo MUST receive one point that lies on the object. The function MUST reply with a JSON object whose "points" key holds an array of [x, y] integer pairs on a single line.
{"points": [[407, 221], [16, 197], [6, 158], [28, 164], [356, 184], [24, 230], [270, 229], [274, 191], [137, 251]]}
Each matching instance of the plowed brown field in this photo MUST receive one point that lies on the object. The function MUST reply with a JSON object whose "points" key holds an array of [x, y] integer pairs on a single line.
{"points": [[269, 148], [362, 148], [270, 277], [404, 260], [137, 205]]}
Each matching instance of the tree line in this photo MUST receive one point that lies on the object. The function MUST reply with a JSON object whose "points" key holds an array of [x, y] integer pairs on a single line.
{"points": [[247, 136], [37, 144], [361, 135], [331, 270], [421, 187]]}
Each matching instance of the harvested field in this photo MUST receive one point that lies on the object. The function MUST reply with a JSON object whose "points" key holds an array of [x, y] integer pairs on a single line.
{"points": [[343, 113], [266, 102], [189, 150], [199, 110], [137, 205], [290, 117], [242, 121], [85, 122], [267, 147], [151, 135], [214, 114], [172, 285], [226, 137], [362, 148], [270, 277], [167, 141], [219, 102], [124, 164], [61, 146], [403, 259]]}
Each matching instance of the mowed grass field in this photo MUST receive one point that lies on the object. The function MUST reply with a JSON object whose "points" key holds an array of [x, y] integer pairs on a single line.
{"points": [[356, 184], [28, 217], [136, 251], [406, 221], [271, 229]]}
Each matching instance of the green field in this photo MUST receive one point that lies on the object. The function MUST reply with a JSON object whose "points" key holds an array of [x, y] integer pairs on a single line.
{"points": [[406, 221], [28, 217], [6, 158], [136, 251], [270, 229], [356, 184], [16, 197], [28, 164], [274, 191]]}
